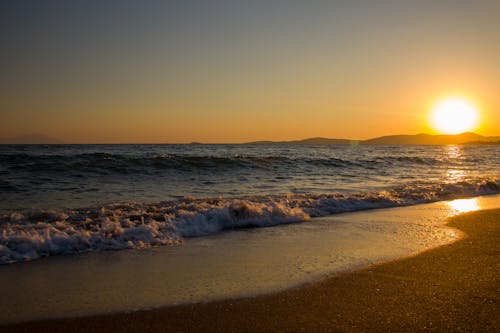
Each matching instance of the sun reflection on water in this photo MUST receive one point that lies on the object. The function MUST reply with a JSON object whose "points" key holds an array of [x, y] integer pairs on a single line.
{"points": [[453, 152], [464, 205], [455, 174]]}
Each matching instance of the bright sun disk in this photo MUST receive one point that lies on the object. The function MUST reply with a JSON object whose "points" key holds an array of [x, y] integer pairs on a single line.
{"points": [[454, 115]]}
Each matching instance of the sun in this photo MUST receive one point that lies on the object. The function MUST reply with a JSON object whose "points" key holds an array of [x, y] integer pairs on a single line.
{"points": [[454, 115]]}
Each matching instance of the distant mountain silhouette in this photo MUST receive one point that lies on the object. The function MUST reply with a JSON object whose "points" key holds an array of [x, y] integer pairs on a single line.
{"points": [[418, 139], [427, 139], [310, 141], [35, 138]]}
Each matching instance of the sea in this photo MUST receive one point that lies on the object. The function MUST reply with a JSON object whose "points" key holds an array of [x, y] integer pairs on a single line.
{"points": [[70, 199]]}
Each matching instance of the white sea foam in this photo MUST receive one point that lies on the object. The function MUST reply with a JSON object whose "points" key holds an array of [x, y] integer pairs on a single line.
{"points": [[30, 235]]}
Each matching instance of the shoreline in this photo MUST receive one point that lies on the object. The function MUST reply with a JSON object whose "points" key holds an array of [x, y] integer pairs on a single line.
{"points": [[453, 287], [232, 265]]}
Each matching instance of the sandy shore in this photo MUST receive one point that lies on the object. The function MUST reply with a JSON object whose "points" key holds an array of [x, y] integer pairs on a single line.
{"points": [[452, 288]]}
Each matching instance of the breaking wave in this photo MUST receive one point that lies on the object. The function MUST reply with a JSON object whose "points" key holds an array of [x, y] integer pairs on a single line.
{"points": [[30, 235]]}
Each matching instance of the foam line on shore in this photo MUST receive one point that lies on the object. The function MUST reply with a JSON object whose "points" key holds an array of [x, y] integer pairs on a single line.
{"points": [[246, 262], [26, 236]]}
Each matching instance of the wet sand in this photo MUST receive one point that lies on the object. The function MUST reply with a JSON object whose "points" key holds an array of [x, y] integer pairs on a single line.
{"points": [[451, 288]]}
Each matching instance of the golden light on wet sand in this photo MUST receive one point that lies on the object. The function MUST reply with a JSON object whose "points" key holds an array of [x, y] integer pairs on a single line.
{"points": [[464, 205], [454, 115]]}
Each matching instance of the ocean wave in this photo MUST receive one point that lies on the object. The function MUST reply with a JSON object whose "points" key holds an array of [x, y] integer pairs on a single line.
{"points": [[106, 163], [27, 236]]}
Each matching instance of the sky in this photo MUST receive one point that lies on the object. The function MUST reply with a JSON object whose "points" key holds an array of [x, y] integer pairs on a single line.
{"points": [[236, 71]]}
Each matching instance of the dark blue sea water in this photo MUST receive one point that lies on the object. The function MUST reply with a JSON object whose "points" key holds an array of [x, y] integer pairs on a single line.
{"points": [[63, 199]]}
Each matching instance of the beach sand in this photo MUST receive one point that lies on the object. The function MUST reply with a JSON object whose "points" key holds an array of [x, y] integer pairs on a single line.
{"points": [[451, 288]]}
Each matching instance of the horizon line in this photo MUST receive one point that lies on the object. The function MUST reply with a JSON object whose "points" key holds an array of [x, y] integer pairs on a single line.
{"points": [[62, 142]]}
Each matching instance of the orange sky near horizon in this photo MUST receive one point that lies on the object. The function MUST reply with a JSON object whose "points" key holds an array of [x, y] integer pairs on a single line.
{"points": [[87, 72]]}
